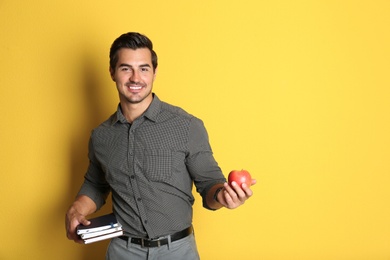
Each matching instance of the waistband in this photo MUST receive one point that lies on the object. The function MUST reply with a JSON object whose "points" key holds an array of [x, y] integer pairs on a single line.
{"points": [[160, 241]]}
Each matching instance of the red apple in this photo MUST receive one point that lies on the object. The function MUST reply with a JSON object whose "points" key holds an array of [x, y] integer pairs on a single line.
{"points": [[240, 177]]}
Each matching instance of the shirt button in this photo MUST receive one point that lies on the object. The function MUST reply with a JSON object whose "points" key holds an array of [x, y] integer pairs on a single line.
{"points": [[132, 177], [139, 199], [146, 222]]}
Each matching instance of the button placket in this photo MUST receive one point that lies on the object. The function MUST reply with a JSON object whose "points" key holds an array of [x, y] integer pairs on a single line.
{"points": [[133, 177]]}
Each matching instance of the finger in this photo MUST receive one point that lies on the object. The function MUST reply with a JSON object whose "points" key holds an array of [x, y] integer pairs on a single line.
{"points": [[78, 240], [237, 195], [72, 235], [227, 186], [230, 189], [247, 190], [230, 204], [240, 193], [232, 200], [71, 231], [71, 225], [83, 221]]}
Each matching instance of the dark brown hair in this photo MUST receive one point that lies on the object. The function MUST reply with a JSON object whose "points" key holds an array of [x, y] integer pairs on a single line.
{"points": [[131, 40]]}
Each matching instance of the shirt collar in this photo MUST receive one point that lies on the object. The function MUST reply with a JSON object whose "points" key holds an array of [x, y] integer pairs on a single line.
{"points": [[151, 112]]}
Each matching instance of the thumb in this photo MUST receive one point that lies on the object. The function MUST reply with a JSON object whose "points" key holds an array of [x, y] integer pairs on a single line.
{"points": [[83, 221]]}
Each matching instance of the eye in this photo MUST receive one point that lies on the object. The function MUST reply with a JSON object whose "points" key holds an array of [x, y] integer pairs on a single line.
{"points": [[144, 69], [124, 69]]}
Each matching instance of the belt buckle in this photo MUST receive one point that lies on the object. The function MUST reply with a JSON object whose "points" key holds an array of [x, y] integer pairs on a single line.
{"points": [[158, 240]]}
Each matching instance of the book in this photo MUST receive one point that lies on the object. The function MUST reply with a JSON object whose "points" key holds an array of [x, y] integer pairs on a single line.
{"points": [[100, 233], [100, 238], [104, 222]]}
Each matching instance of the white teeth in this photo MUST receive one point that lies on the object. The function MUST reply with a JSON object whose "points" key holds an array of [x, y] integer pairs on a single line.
{"points": [[135, 88]]}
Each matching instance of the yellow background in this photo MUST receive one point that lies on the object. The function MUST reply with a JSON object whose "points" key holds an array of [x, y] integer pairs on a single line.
{"points": [[296, 92]]}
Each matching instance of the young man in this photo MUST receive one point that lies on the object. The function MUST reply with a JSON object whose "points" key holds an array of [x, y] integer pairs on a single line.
{"points": [[148, 154]]}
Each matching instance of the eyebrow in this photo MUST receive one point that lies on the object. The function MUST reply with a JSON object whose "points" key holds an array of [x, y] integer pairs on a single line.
{"points": [[128, 65]]}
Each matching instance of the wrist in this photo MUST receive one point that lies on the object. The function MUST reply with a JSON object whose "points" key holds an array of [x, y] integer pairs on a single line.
{"points": [[217, 191], [83, 205]]}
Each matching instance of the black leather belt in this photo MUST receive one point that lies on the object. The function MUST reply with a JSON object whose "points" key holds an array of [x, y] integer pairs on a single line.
{"points": [[160, 241]]}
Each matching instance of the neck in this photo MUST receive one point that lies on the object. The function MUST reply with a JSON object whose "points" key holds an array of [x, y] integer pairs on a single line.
{"points": [[132, 111]]}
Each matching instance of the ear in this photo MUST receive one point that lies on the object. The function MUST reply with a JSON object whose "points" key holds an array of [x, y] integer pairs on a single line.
{"points": [[155, 74], [112, 72]]}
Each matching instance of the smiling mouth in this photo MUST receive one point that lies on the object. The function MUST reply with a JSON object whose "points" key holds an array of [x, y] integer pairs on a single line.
{"points": [[135, 87]]}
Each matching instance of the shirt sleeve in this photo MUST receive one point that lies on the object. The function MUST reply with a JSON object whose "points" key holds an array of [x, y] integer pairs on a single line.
{"points": [[95, 185], [201, 164]]}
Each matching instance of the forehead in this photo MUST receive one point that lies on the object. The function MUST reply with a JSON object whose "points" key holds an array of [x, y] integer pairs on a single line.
{"points": [[134, 57]]}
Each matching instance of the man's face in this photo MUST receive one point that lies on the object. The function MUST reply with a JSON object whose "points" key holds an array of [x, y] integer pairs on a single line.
{"points": [[134, 75]]}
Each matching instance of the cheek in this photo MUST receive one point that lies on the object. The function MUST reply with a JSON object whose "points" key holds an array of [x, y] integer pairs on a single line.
{"points": [[151, 80], [119, 80], [146, 81]]}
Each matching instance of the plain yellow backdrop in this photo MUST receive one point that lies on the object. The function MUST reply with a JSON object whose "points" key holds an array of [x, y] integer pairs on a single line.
{"points": [[296, 92]]}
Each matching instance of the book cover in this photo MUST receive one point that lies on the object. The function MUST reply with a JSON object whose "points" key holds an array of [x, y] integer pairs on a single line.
{"points": [[100, 223]]}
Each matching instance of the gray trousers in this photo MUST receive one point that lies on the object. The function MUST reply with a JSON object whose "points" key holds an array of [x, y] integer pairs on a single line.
{"points": [[183, 249]]}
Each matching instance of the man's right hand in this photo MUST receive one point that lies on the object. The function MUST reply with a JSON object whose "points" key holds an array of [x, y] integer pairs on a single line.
{"points": [[76, 215]]}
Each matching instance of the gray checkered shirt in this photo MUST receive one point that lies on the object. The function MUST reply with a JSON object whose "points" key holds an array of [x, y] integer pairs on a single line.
{"points": [[150, 167]]}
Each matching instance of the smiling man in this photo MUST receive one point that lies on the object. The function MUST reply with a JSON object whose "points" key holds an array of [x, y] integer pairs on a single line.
{"points": [[148, 155]]}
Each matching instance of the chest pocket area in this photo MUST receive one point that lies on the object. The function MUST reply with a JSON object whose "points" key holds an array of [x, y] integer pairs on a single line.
{"points": [[158, 165]]}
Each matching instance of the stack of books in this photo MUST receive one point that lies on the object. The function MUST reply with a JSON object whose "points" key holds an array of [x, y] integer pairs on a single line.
{"points": [[101, 228]]}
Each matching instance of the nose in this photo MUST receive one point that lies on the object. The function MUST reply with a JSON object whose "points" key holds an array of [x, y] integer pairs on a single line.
{"points": [[134, 76]]}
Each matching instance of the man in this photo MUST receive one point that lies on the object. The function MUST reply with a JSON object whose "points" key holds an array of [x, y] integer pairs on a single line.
{"points": [[148, 154]]}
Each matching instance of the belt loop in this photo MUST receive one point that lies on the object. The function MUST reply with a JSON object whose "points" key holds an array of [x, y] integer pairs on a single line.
{"points": [[128, 243], [169, 241]]}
